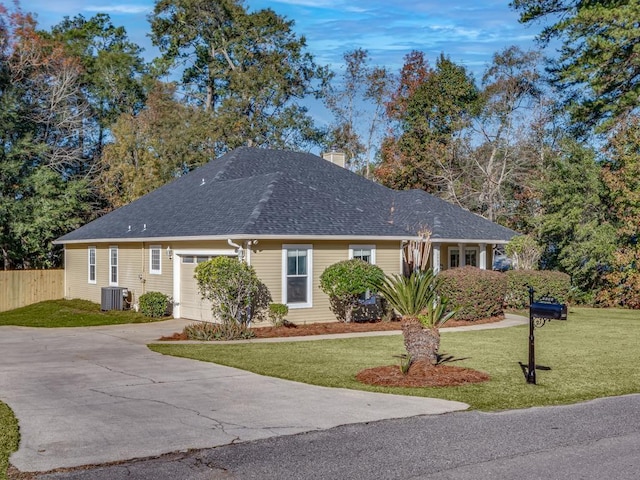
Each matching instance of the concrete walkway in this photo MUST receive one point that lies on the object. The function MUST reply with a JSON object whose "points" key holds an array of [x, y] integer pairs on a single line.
{"points": [[98, 394]]}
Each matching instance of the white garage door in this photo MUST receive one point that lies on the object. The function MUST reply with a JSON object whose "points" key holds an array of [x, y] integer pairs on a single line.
{"points": [[192, 306]]}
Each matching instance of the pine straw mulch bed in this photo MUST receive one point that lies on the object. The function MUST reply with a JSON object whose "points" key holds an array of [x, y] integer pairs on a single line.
{"points": [[293, 330], [302, 330], [421, 374]]}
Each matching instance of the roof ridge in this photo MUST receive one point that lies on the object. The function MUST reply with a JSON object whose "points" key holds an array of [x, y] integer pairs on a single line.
{"points": [[264, 199], [232, 156]]}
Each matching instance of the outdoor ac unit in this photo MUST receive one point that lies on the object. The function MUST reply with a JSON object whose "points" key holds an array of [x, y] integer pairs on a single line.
{"points": [[113, 298]]}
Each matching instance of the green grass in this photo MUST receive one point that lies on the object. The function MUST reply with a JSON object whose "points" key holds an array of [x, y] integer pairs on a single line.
{"points": [[9, 437], [68, 313], [594, 354]]}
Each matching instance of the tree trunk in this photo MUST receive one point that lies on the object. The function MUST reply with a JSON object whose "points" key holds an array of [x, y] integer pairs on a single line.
{"points": [[348, 312], [421, 343]]}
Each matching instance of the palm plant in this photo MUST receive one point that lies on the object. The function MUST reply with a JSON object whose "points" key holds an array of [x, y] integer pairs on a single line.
{"points": [[423, 312], [409, 296]]}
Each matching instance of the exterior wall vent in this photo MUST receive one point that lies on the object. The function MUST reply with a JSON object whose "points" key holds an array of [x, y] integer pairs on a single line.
{"points": [[113, 298]]}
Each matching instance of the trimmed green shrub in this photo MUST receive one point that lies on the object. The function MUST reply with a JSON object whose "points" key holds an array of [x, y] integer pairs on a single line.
{"points": [[154, 304], [207, 331], [473, 292], [277, 312], [345, 282], [233, 288], [544, 282]]}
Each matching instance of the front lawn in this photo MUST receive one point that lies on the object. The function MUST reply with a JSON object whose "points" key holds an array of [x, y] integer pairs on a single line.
{"points": [[68, 313], [594, 354], [9, 437]]}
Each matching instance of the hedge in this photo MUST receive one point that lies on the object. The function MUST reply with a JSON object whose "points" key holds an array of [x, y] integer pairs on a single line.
{"points": [[544, 282], [154, 304], [474, 292]]}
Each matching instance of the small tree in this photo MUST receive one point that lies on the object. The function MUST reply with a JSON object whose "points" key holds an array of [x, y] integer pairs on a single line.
{"points": [[346, 281], [231, 286], [423, 312], [524, 251]]}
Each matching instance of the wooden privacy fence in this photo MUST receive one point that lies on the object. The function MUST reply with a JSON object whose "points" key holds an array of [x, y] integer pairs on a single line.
{"points": [[24, 287]]}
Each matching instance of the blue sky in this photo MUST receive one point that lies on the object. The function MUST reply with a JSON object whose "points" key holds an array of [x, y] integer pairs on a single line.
{"points": [[469, 31]]}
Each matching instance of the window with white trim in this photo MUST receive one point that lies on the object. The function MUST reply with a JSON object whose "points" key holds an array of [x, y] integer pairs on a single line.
{"points": [[297, 261], [113, 266], [155, 259], [470, 256], [366, 253], [92, 264]]}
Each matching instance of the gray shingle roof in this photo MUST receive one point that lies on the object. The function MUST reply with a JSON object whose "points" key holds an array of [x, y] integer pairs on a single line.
{"points": [[259, 192]]}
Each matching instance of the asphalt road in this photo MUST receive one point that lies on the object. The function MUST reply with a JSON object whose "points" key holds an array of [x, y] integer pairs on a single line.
{"points": [[594, 440]]}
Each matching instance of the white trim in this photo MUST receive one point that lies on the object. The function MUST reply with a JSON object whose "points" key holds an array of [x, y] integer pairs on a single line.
{"points": [[309, 249], [457, 249], [66, 270], [435, 257], [151, 249], [117, 265], [206, 252], [365, 238], [482, 261], [371, 247], [95, 265]]}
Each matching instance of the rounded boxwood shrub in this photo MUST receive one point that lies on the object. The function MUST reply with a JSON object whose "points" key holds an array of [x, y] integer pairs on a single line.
{"points": [[344, 282], [544, 282], [475, 293], [154, 304]]}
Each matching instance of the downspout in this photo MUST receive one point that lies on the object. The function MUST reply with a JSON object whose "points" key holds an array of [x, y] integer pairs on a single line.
{"points": [[239, 251], [249, 244]]}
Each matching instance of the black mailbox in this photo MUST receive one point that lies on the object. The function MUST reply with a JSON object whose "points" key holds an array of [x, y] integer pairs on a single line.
{"points": [[548, 310]]}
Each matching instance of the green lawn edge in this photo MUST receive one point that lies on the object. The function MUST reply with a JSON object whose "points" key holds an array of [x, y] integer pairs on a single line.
{"points": [[592, 355], [9, 437], [69, 313]]}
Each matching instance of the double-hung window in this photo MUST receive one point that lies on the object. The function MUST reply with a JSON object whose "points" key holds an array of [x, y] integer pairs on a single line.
{"points": [[155, 259], [297, 261], [92, 264], [470, 257], [113, 266], [366, 253]]}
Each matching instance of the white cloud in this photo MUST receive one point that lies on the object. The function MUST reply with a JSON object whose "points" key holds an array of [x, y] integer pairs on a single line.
{"points": [[312, 3], [121, 9]]}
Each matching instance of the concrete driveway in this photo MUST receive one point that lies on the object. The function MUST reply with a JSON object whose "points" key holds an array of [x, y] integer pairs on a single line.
{"points": [[94, 395]]}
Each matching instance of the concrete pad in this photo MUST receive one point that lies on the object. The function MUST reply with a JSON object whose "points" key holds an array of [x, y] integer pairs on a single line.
{"points": [[94, 395]]}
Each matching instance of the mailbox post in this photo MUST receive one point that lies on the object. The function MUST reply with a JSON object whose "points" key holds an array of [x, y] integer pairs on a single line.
{"points": [[547, 308]]}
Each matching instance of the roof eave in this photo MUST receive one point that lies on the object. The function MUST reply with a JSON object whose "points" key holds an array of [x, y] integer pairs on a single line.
{"points": [[236, 237]]}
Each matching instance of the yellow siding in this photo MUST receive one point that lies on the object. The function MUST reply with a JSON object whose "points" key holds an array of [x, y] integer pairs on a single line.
{"points": [[388, 257], [133, 271], [77, 276], [266, 258]]}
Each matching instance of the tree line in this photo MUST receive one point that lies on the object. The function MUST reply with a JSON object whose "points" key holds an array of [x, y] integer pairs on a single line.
{"points": [[548, 147]]}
